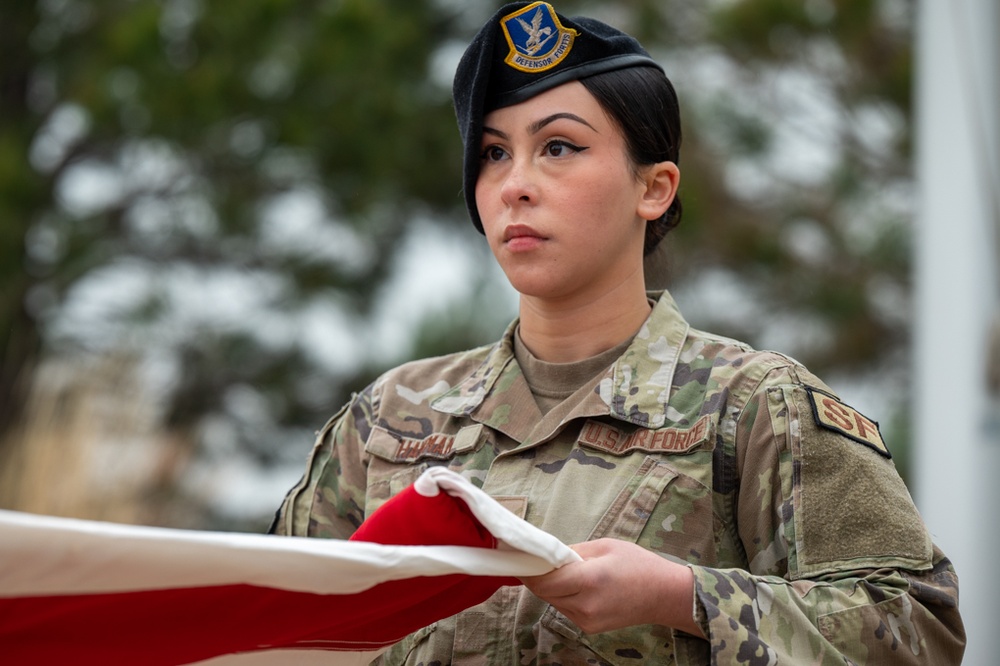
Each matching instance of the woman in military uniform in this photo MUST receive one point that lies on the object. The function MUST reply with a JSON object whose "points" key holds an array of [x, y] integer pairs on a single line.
{"points": [[729, 508]]}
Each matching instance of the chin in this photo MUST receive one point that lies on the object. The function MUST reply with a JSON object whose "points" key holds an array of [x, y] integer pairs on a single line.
{"points": [[537, 286]]}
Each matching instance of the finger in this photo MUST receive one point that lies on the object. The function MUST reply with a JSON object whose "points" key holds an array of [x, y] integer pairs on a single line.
{"points": [[561, 583], [591, 549]]}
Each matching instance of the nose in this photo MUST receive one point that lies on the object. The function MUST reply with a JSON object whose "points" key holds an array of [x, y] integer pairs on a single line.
{"points": [[519, 184]]}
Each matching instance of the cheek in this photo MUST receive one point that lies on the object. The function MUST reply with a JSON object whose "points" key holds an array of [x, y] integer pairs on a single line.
{"points": [[600, 195], [480, 194], [487, 217], [485, 199]]}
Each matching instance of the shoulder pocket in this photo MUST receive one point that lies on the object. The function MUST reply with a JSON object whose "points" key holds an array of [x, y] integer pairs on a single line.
{"points": [[850, 503]]}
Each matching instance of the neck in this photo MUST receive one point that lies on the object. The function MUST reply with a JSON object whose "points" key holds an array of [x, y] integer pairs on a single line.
{"points": [[568, 330]]}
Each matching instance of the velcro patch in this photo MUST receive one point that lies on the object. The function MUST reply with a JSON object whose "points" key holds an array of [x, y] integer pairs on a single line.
{"points": [[597, 435], [834, 415]]}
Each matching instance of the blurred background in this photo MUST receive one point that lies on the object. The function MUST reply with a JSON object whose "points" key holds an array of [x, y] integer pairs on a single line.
{"points": [[217, 220]]}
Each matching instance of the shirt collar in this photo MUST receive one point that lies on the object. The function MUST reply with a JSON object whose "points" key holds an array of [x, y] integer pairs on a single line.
{"points": [[636, 388]]}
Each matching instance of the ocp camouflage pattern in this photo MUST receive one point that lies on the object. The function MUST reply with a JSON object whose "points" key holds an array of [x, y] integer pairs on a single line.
{"points": [[805, 545]]}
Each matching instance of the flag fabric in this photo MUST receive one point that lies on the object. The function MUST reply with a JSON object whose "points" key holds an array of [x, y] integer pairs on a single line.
{"points": [[86, 592]]}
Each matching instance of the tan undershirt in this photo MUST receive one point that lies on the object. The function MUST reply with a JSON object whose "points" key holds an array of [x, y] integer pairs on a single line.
{"points": [[551, 383]]}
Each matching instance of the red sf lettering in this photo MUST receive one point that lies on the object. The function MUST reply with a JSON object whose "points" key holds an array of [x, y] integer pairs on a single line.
{"points": [[865, 427], [836, 413]]}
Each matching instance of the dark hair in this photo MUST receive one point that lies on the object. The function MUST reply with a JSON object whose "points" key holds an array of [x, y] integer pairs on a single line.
{"points": [[642, 102]]}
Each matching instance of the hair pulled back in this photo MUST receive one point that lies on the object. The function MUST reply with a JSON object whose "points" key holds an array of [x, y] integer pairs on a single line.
{"points": [[643, 104]]}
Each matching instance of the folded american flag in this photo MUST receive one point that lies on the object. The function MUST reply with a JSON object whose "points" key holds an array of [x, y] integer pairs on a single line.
{"points": [[85, 592]]}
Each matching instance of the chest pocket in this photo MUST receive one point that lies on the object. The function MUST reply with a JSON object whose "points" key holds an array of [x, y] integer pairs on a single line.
{"points": [[396, 460], [666, 503], [627, 516], [633, 510]]}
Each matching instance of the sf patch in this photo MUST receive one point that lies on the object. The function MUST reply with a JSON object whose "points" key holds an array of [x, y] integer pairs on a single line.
{"points": [[834, 415], [537, 40]]}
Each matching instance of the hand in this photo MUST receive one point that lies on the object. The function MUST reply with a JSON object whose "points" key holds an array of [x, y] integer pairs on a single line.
{"points": [[619, 584]]}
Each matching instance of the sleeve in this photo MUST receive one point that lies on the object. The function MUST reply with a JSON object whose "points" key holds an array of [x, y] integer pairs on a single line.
{"points": [[329, 500], [841, 567]]}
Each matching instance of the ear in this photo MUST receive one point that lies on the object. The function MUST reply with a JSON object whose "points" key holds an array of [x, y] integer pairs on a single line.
{"points": [[661, 181]]}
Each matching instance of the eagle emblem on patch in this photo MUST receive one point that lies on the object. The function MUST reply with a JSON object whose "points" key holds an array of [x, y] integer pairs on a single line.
{"points": [[834, 415], [537, 40]]}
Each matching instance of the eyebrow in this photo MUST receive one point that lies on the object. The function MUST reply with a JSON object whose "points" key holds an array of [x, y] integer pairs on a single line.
{"points": [[537, 126]]}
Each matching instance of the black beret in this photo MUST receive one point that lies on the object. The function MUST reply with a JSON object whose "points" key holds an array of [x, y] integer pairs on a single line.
{"points": [[523, 50]]}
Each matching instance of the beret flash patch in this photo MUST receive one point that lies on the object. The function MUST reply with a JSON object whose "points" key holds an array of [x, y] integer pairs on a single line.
{"points": [[834, 415], [537, 40]]}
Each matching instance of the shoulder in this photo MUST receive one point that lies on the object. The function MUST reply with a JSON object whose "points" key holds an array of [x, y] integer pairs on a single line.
{"points": [[740, 369], [715, 361], [762, 385]]}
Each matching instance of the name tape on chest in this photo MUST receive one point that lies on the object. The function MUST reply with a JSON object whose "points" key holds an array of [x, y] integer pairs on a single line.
{"points": [[834, 415], [437, 446], [601, 436]]}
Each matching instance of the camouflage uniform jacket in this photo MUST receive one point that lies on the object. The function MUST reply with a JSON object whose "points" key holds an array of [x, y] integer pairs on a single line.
{"points": [[804, 543]]}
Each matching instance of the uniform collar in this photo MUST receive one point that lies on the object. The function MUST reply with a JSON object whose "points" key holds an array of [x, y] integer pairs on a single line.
{"points": [[466, 396], [636, 388]]}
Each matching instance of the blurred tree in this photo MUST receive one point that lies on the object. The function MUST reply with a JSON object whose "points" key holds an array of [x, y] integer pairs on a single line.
{"points": [[827, 130], [797, 175], [157, 152], [222, 190], [21, 194], [797, 181]]}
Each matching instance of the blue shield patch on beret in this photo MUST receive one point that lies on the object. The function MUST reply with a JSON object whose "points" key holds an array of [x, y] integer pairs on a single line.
{"points": [[537, 40]]}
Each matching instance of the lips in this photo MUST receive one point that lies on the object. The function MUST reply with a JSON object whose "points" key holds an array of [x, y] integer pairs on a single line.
{"points": [[519, 238], [518, 231]]}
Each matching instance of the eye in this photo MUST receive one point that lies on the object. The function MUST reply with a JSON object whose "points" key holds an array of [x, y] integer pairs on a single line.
{"points": [[561, 148], [493, 153]]}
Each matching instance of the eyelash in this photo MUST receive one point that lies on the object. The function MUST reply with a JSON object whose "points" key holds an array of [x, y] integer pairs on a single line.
{"points": [[564, 144], [485, 156]]}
